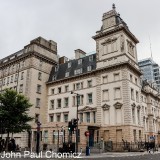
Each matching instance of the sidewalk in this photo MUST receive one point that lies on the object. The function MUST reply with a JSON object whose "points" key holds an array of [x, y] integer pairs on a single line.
{"points": [[116, 154]]}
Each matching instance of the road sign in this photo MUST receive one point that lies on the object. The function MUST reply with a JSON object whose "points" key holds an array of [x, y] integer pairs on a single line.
{"points": [[56, 133]]}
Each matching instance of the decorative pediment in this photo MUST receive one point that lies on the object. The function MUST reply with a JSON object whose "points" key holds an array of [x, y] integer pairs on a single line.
{"points": [[87, 109], [133, 105], [109, 40], [118, 105], [105, 107]]}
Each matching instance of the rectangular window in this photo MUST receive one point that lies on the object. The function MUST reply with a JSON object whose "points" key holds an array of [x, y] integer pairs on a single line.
{"points": [[4, 81], [137, 96], [91, 58], [58, 103], [22, 75], [36, 118], [80, 61], [38, 102], [52, 91], [21, 88], [8, 80], [69, 64], [77, 86], [66, 100], [105, 95], [45, 136], [39, 76], [16, 78], [51, 118], [67, 74], [88, 117], [66, 88], [39, 88], [116, 77], [117, 93], [136, 81], [78, 71], [131, 78], [81, 117], [59, 89], [132, 94], [58, 118], [11, 79], [51, 104], [94, 117], [105, 79], [89, 83], [90, 98], [65, 117], [89, 68], [56, 68]]}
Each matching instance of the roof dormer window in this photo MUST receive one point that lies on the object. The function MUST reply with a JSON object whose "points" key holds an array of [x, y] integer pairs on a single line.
{"points": [[80, 61], [54, 78], [69, 64], [89, 68], [67, 74], [91, 58], [56, 68], [78, 71]]}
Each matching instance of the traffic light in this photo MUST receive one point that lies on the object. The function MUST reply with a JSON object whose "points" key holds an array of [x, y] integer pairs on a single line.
{"points": [[69, 126], [75, 122]]}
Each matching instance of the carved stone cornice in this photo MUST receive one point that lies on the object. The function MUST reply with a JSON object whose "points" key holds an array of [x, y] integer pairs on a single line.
{"points": [[87, 109], [118, 105], [105, 107]]}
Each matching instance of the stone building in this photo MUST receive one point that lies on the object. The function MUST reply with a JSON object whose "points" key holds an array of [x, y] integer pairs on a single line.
{"points": [[26, 71], [113, 103]]}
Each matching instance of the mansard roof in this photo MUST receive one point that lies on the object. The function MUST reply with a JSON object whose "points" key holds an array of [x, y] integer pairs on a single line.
{"points": [[59, 71]]}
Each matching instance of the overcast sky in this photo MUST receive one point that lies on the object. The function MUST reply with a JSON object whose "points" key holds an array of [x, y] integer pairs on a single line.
{"points": [[72, 23]]}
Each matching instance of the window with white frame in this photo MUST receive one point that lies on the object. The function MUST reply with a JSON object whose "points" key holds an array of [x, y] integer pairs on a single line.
{"points": [[132, 93], [80, 61], [89, 68], [91, 58], [105, 95], [66, 88], [105, 79], [38, 101], [54, 78], [21, 88], [137, 96], [51, 118], [56, 68], [65, 117], [117, 93], [16, 78], [39, 88], [39, 76], [88, 117], [67, 74], [45, 136], [58, 117], [52, 91], [22, 75], [8, 80], [81, 117], [90, 100], [69, 64], [59, 89], [116, 77], [52, 104], [78, 71], [66, 102], [58, 103], [89, 83]]}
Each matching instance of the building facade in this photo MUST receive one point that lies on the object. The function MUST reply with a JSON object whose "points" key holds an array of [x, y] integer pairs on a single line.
{"points": [[26, 71], [113, 103], [150, 71]]}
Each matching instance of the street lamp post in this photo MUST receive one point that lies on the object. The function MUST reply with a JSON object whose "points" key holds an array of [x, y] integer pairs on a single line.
{"points": [[38, 137], [77, 95]]}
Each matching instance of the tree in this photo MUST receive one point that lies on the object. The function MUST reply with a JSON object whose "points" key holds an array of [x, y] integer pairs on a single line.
{"points": [[14, 109]]}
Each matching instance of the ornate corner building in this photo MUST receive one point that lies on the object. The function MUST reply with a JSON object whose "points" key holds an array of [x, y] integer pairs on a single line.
{"points": [[113, 103]]}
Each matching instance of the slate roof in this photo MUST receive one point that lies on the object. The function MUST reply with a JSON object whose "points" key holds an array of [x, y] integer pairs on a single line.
{"points": [[63, 68]]}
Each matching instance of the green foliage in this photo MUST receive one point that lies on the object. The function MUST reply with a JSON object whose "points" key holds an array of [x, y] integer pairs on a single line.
{"points": [[14, 110]]}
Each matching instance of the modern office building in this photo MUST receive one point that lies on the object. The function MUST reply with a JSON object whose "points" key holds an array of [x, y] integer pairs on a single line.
{"points": [[150, 71]]}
